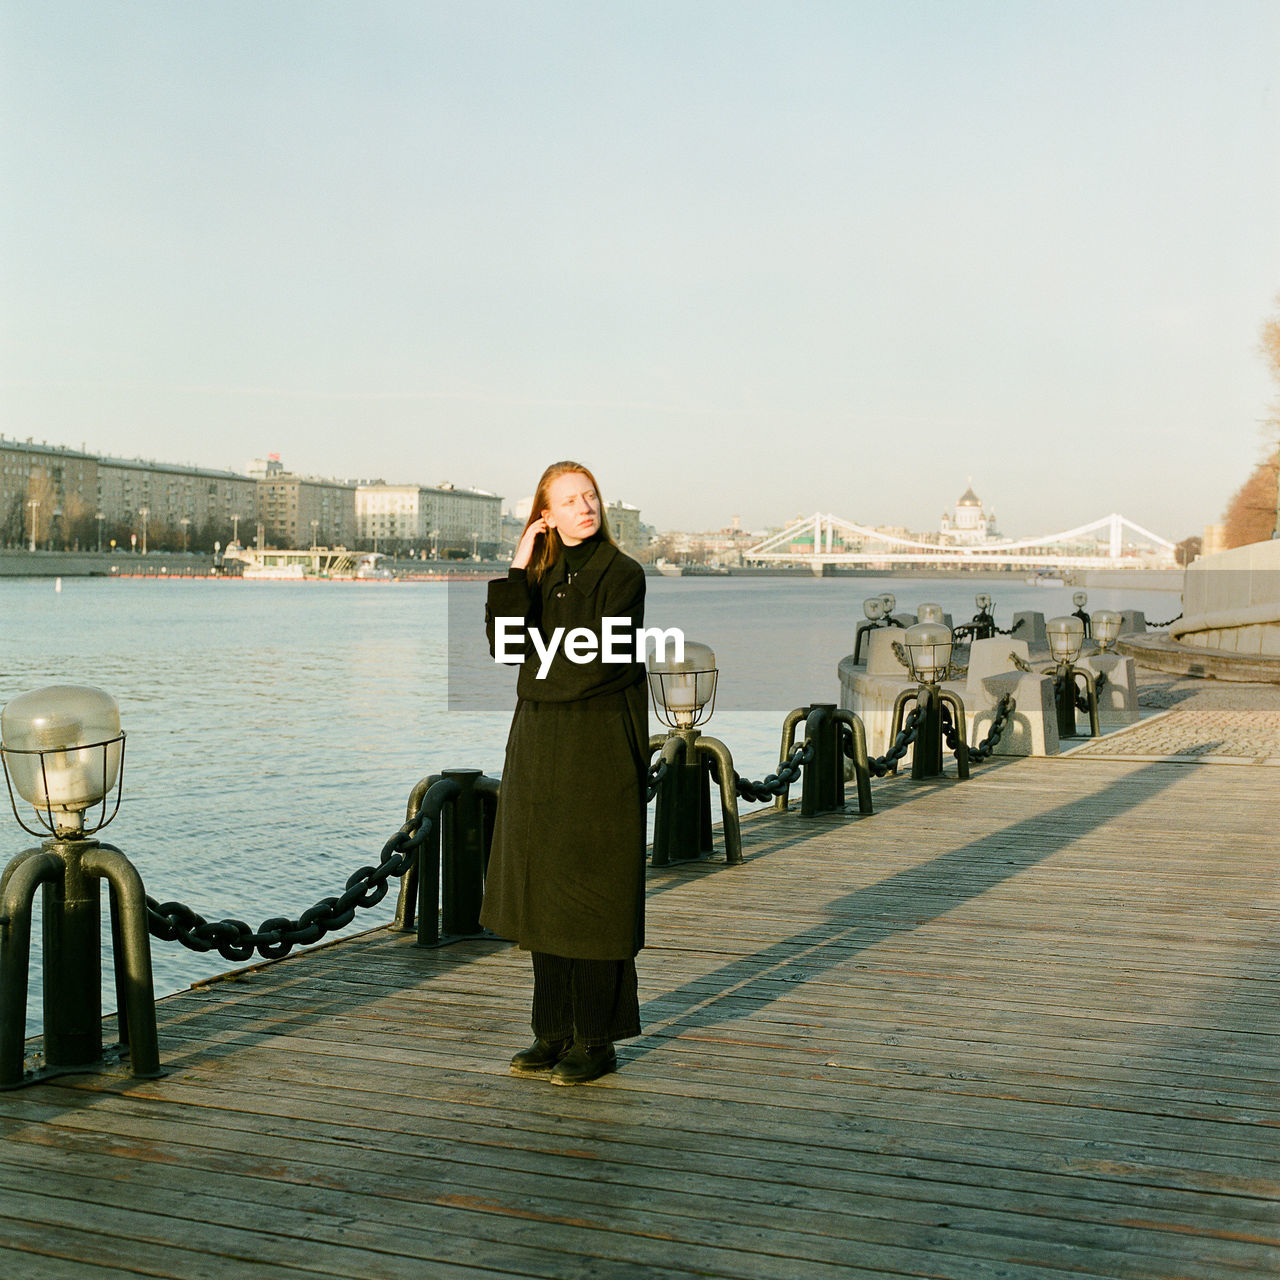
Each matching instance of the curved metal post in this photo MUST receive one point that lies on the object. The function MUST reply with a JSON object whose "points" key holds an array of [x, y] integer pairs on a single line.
{"points": [[22, 877], [861, 634], [789, 724], [1091, 695], [409, 881], [861, 765], [682, 816], [984, 625], [72, 960], [1065, 697], [926, 751], [899, 718], [131, 950], [730, 825], [433, 854], [962, 731], [822, 787]]}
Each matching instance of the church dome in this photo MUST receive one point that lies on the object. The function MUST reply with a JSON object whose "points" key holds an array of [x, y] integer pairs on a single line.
{"points": [[969, 499]]}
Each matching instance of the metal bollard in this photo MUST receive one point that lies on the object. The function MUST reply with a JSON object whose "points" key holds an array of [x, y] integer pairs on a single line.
{"points": [[445, 888], [822, 787], [69, 873], [682, 816]]}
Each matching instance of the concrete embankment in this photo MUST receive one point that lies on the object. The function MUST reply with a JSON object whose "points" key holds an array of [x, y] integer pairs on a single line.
{"points": [[89, 564]]}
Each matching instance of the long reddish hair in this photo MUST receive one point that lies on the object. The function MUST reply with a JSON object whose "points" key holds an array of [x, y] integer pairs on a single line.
{"points": [[547, 547]]}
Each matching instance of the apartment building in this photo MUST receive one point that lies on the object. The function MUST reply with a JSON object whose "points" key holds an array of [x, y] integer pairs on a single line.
{"points": [[175, 507], [47, 495], [443, 521], [303, 511]]}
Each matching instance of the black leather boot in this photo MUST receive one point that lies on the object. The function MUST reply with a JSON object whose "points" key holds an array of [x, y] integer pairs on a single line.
{"points": [[583, 1064], [541, 1055]]}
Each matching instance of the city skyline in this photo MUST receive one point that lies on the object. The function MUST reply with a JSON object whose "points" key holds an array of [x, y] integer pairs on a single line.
{"points": [[966, 518], [753, 261]]}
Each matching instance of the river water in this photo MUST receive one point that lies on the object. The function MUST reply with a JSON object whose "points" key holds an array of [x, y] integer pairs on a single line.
{"points": [[276, 729]]}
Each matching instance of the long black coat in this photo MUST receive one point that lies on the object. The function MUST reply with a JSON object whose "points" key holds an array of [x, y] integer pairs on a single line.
{"points": [[566, 871]]}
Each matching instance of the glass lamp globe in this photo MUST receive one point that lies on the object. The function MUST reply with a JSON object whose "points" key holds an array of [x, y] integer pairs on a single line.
{"points": [[684, 690], [1080, 599], [929, 613], [62, 749], [983, 601], [873, 607], [1106, 627], [1065, 636], [890, 602], [928, 646]]}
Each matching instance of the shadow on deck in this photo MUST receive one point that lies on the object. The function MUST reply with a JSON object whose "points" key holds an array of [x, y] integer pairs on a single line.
{"points": [[1023, 1026]]}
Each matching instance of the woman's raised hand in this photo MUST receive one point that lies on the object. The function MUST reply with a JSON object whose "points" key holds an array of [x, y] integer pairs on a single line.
{"points": [[524, 552]]}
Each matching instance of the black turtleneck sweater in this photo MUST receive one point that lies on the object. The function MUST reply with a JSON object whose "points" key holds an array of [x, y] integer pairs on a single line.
{"points": [[576, 558]]}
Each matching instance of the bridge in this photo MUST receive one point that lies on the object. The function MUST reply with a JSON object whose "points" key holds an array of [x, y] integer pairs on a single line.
{"points": [[1111, 542]]}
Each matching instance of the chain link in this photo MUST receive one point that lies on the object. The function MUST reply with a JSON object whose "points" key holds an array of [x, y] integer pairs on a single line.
{"points": [[777, 784], [657, 771], [985, 748], [882, 765], [276, 937], [1160, 626], [1099, 683], [1017, 626]]}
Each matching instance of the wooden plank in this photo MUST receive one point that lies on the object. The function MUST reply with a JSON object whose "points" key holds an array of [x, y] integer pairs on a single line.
{"points": [[1005, 1028]]}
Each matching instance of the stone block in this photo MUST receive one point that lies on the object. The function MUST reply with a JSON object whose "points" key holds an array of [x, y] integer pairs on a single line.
{"points": [[1118, 697], [881, 659], [1032, 631]]}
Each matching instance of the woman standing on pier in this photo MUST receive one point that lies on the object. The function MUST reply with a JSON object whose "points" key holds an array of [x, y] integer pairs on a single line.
{"points": [[566, 871]]}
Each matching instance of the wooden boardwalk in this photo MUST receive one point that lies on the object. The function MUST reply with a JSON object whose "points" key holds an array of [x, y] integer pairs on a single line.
{"points": [[1026, 1026]]}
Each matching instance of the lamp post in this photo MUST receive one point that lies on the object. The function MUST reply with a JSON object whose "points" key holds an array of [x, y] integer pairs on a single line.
{"points": [[684, 695], [63, 753], [185, 522], [1066, 638], [34, 504], [435, 544], [474, 539], [1080, 599], [983, 622], [235, 530], [928, 649], [1106, 627], [144, 512], [315, 524], [873, 607], [100, 518]]}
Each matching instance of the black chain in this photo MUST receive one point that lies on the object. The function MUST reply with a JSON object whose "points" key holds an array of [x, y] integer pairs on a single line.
{"points": [[777, 784], [657, 771], [276, 937], [1160, 626], [1004, 709], [1017, 626], [985, 748], [881, 765]]}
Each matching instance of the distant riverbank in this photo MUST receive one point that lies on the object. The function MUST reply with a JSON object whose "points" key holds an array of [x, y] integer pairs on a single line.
{"points": [[169, 564]]}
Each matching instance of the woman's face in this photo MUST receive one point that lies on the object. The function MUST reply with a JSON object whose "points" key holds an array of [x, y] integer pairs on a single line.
{"points": [[573, 508]]}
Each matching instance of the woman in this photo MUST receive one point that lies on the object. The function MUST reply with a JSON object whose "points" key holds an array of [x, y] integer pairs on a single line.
{"points": [[566, 871]]}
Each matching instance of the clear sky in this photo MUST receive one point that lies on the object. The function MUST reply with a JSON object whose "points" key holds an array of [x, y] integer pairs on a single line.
{"points": [[753, 257]]}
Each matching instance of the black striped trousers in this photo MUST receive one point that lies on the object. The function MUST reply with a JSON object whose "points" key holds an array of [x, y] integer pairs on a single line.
{"points": [[592, 1001]]}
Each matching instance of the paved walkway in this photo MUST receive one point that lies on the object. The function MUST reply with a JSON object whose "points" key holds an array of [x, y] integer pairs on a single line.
{"points": [[1203, 720]]}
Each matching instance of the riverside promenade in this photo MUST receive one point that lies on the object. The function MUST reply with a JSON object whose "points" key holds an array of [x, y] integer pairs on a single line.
{"points": [[1021, 1027]]}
